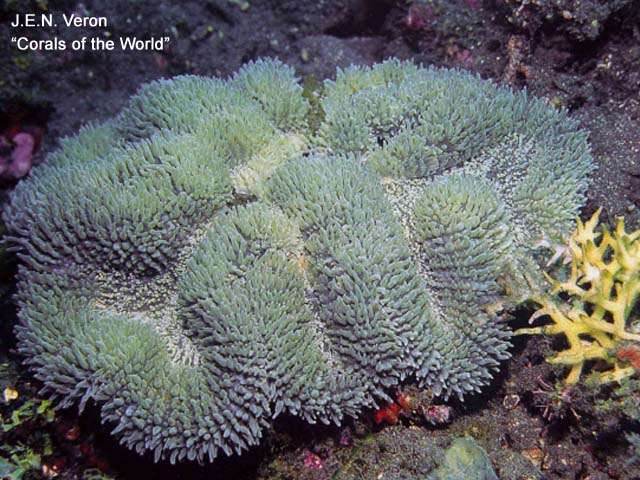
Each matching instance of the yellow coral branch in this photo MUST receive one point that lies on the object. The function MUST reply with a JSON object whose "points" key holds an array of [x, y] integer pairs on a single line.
{"points": [[604, 284]]}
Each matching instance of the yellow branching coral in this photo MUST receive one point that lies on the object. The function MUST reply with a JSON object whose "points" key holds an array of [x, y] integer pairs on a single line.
{"points": [[604, 283]]}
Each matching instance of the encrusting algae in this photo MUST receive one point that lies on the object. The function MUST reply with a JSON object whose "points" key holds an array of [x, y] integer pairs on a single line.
{"points": [[603, 282]]}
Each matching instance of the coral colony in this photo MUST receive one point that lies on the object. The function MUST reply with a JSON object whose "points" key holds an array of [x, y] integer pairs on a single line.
{"points": [[206, 261], [603, 284]]}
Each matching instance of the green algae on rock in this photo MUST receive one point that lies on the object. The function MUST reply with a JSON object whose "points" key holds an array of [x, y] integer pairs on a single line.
{"points": [[205, 261], [462, 460]]}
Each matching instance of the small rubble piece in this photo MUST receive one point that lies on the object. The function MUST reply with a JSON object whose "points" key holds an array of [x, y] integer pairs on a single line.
{"points": [[516, 71], [346, 438], [9, 394]]}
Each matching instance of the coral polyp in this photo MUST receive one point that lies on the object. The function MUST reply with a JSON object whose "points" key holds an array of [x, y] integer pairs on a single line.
{"points": [[206, 261]]}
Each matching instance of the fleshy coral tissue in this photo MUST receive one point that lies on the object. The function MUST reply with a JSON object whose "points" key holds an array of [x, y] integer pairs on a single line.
{"points": [[206, 261]]}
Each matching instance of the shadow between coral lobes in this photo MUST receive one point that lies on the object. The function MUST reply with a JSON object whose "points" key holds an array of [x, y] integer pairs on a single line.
{"points": [[131, 466]]}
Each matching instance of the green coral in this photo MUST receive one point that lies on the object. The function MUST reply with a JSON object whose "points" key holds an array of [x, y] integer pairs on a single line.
{"points": [[207, 260]]}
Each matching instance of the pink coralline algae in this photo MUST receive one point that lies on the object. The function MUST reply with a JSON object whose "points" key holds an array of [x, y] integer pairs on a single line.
{"points": [[438, 414], [17, 163], [312, 460]]}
